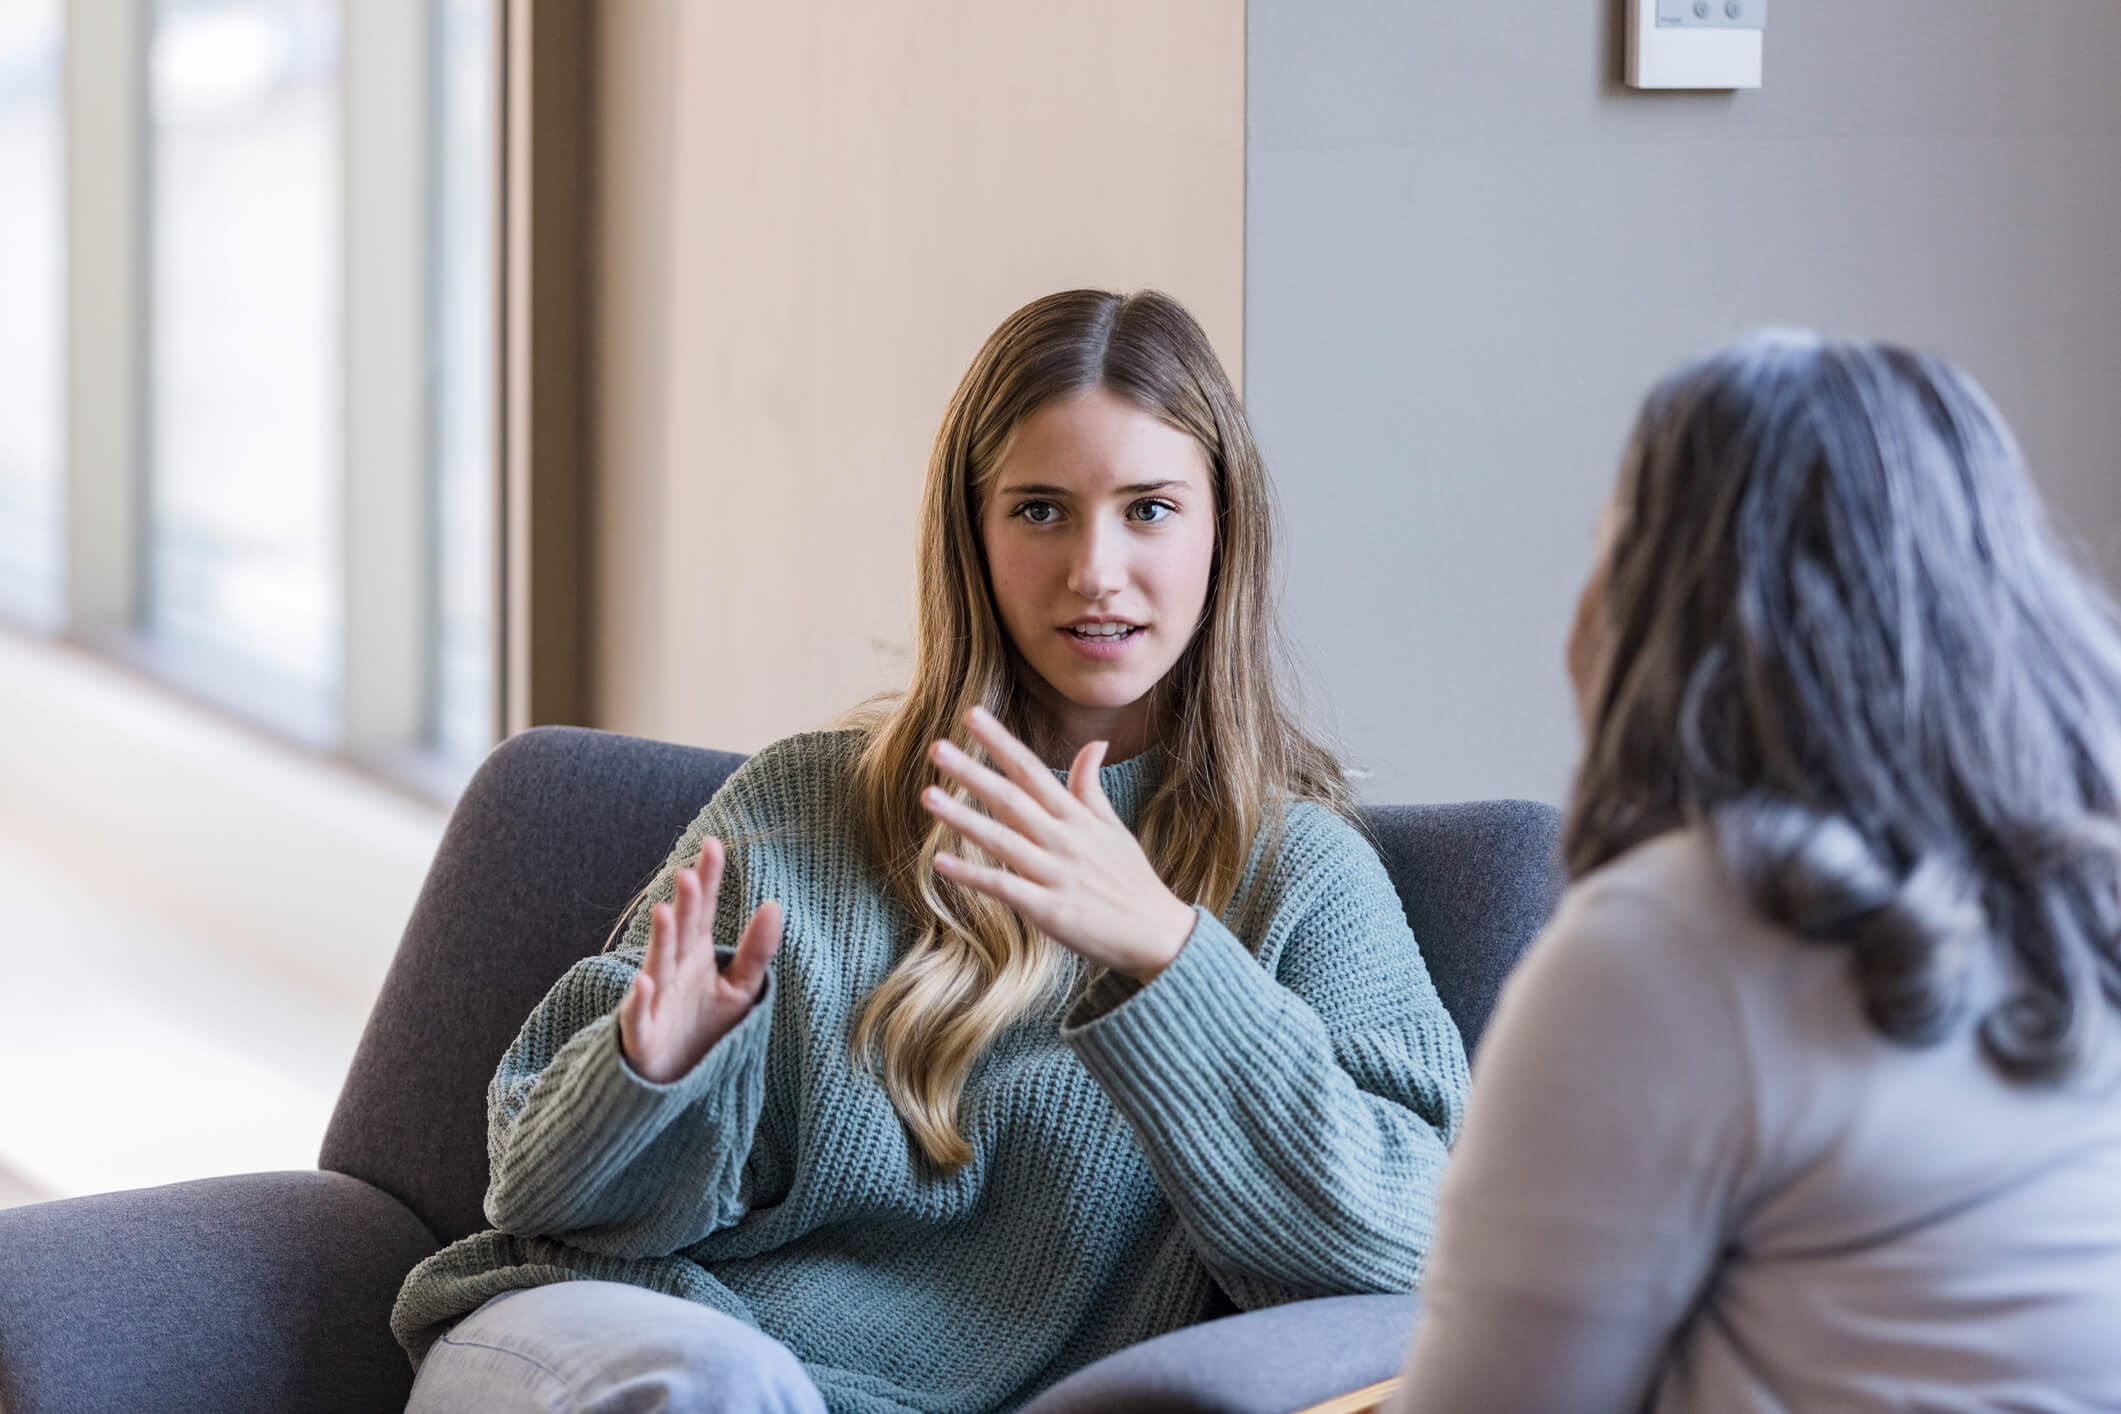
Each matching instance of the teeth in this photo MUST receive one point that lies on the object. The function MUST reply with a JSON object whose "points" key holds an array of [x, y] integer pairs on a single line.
{"points": [[1103, 631]]}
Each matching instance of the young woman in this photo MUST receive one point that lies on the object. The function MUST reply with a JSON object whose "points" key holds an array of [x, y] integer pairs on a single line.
{"points": [[1807, 1099], [931, 1073]]}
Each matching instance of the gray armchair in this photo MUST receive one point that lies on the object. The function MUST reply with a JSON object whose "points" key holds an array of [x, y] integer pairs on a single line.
{"points": [[271, 1292]]}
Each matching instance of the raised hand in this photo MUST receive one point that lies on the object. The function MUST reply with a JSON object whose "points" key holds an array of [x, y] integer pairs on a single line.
{"points": [[681, 1001], [1073, 869]]}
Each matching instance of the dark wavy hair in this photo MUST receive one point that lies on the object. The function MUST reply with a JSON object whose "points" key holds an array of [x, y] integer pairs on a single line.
{"points": [[1839, 634]]}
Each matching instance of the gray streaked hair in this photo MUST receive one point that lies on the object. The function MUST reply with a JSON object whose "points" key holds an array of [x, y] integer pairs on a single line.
{"points": [[1840, 635]]}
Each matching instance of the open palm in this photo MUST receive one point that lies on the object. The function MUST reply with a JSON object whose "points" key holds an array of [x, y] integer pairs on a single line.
{"points": [[682, 1000], [1067, 863]]}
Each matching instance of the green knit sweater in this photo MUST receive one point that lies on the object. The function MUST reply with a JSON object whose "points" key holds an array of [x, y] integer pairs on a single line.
{"points": [[1267, 1119]]}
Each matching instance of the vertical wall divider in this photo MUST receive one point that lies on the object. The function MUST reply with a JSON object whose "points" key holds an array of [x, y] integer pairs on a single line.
{"points": [[106, 167], [545, 572], [387, 423]]}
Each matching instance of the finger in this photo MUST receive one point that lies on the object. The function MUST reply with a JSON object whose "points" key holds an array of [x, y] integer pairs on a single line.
{"points": [[1008, 802], [1083, 781], [684, 913], [762, 939], [713, 857], [658, 964], [693, 894], [637, 1038], [1018, 761], [998, 884], [636, 1007], [990, 834]]}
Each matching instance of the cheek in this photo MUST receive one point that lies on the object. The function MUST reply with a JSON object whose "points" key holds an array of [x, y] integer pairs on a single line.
{"points": [[1184, 574], [1585, 633], [1015, 572], [1576, 654]]}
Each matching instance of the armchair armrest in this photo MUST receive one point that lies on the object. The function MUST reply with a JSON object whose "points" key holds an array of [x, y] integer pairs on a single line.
{"points": [[1268, 1361], [265, 1292]]}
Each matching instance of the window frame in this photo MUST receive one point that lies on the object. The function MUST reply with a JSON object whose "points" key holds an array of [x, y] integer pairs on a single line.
{"points": [[389, 432]]}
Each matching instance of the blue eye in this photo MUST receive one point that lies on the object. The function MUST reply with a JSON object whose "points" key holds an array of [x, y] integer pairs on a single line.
{"points": [[1038, 512], [1162, 510]]}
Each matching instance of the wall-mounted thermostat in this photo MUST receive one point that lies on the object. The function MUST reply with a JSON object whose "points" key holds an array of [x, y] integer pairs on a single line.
{"points": [[1696, 43]]}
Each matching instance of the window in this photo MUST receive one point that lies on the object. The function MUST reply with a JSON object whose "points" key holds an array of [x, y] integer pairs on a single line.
{"points": [[460, 721], [282, 234], [244, 470], [32, 285]]}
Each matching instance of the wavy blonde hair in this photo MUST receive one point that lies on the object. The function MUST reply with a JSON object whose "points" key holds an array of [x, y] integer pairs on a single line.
{"points": [[1236, 751]]}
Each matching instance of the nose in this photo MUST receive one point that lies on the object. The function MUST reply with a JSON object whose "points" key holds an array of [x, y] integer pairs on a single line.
{"points": [[1098, 568]]}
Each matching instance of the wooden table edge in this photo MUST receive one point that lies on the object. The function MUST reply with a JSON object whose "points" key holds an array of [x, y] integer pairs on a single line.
{"points": [[1361, 1401]]}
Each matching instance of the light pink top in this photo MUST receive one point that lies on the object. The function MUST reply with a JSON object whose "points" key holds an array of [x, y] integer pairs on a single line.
{"points": [[1693, 1178]]}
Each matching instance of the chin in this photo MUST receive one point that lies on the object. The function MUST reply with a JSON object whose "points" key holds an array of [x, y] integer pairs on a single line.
{"points": [[1102, 694], [1108, 701]]}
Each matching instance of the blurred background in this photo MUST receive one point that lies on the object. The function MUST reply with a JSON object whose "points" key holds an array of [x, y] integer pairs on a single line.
{"points": [[379, 378], [247, 498]]}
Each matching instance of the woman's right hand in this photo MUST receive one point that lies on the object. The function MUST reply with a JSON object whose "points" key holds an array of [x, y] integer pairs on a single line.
{"points": [[681, 1002]]}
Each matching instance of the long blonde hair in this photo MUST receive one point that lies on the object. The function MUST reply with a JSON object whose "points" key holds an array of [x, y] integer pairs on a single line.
{"points": [[1236, 753]]}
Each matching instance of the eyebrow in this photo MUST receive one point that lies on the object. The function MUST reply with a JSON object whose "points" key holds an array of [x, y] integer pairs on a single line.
{"points": [[1139, 488]]}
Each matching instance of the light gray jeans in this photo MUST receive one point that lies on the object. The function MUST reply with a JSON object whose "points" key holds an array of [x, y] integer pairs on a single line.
{"points": [[601, 1347]]}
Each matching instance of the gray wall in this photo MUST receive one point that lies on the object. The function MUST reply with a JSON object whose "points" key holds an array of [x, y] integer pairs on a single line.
{"points": [[1469, 251]]}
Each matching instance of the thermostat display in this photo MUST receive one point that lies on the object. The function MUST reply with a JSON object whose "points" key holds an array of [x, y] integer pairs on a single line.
{"points": [[1698, 44]]}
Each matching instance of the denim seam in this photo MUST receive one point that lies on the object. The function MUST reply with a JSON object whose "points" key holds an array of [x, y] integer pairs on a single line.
{"points": [[540, 1366]]}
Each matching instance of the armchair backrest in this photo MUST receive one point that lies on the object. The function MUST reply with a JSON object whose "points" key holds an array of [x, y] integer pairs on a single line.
{"points": [[562, 826], [1478, 880]]}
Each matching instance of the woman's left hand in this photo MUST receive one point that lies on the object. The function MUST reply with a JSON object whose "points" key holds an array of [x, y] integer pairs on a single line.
{"points": [[1074, 870]]}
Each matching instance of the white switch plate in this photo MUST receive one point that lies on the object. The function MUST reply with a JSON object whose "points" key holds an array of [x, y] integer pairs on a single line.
{"points": [[1681, 49]]}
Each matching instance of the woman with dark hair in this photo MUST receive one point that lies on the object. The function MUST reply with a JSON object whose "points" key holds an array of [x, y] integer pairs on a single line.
{"points": [[1809, 1097]]}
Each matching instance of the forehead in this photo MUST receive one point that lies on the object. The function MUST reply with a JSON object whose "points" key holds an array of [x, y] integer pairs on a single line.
{"points": [[1099, 441]]}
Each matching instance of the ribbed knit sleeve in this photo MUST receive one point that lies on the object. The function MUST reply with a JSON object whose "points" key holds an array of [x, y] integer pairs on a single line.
{"points": [[1298, 1109], [579, 1145]]}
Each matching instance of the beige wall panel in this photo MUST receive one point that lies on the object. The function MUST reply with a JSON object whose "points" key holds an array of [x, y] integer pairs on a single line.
{"points": [[811, 215]]}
